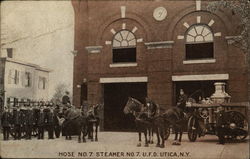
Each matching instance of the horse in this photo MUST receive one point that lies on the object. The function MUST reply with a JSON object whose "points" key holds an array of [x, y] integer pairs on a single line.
{"points": [[93, 121], [143, 120], [73, 123], [161, 122]]}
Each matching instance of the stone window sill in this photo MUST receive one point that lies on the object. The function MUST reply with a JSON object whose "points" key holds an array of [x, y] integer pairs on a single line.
{"points": [[199, 61], [123, 65]]}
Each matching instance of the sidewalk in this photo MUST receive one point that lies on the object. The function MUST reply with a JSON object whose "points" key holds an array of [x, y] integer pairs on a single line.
{"points": [[123, 145]]}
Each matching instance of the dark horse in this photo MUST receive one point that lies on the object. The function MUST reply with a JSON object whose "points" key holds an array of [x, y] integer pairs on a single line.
{"points": [[75, 124], [161, 122], [143, 118], [93, 120]]}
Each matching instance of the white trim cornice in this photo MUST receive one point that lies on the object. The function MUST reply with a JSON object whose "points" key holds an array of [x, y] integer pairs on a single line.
{"points": [[159, 44], [123, 65], [199, 61], [204, 77], [123, 79]]}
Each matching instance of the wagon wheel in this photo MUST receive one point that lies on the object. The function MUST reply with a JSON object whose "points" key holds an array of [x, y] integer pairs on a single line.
{"points": [[238, 124], [167, 133], [192, 129]]}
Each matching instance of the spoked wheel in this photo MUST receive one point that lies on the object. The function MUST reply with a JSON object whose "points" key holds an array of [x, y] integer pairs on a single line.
{"points": [[192, 129], [238, 125], [167, 133]]}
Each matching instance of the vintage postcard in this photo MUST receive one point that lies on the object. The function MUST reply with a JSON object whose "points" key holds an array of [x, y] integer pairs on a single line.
{"points": [[125, 79]]}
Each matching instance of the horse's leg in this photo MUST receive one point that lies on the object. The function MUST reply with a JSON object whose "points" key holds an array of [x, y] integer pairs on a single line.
{"points": [[139, 144], [152, 135], [89, 130], [158, 137], [149, 135], [92, 132], [84, 128], [180, 135], [146, 138], [176, 136], [79, 135], [162, 131], [96, 131]]}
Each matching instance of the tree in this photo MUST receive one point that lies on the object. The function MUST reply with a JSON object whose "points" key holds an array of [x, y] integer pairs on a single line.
{"points": [[242, 9], [59, 93]]}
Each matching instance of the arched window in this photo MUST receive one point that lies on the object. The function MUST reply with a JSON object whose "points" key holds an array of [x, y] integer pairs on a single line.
{"points": [[199, 42], [124, 47]]}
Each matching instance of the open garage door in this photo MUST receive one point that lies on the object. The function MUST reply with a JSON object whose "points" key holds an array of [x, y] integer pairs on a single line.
{"points": [[115, 98]]}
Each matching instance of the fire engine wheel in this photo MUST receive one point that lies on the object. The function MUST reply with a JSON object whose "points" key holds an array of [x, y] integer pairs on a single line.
{"points": [[192, 129], [238, 125]]}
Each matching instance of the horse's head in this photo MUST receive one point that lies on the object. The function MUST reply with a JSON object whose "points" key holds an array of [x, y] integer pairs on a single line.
{"points": [[94, 109], [132, 105], [151, 107]]}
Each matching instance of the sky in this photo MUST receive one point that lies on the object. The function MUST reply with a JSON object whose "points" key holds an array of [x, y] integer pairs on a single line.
{"points": [[41, 32]]}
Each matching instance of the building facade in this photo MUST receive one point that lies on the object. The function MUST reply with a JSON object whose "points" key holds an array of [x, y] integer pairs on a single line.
{"points": [[154, 49], [23, 81]]}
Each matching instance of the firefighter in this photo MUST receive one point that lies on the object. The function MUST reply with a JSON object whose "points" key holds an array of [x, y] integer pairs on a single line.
{"points": [[40, 124], [6, 121], [221, 124], [50, 124], [182, 100], [17, 123], [57, 126], [29, 123]]}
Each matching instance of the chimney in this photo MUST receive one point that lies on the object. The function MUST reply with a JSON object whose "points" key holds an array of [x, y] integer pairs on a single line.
{"points": [[10, 52]]}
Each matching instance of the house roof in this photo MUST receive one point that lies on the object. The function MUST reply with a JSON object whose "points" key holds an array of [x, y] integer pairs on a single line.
{"points": [[37, 67]]}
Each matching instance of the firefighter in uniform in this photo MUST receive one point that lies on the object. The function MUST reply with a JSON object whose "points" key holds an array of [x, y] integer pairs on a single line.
{"points": [[181, 104], [29, 123], [57, 127], [221, 125], [6, 121], [17, 123], [23, 121], [182, 100], [40, 124], [50, 124]]}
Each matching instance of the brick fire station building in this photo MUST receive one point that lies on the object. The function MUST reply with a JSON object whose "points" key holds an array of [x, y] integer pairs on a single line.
{"points": [[153, 48]]}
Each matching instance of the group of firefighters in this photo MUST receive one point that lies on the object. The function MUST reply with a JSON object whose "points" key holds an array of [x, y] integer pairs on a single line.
{"points": [[21, 120]]}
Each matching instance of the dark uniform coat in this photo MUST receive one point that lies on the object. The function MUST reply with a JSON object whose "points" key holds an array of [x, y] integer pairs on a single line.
{"points": [[6, 119], [182, 102], [222, 126]]}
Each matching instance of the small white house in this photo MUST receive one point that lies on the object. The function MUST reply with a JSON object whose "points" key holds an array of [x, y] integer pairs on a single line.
{"points": [[22, 80]]}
